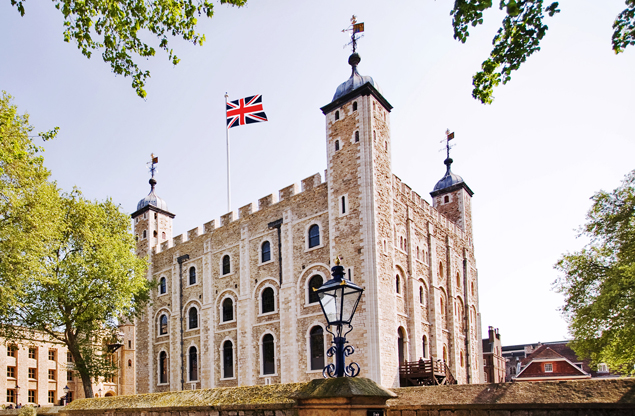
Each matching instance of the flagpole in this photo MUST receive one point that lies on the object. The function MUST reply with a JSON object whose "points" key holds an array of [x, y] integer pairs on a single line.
{"points": [[229, 200]]}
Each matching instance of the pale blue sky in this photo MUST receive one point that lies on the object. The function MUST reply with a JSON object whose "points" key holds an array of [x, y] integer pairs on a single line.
{"points": [[561, 130]]}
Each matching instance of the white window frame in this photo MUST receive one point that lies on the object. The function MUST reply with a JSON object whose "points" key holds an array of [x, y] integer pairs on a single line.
{"points": [[196, 275], [306, 236], [220, 308], [159, 367], [275, 355], [275, 300], [308, 347], [231, 265], [260, 262], [198, 317], [548, 367], [198, 364], [307, 287]]}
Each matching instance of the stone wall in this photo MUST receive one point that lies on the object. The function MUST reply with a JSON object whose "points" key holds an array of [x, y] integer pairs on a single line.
{"points": [[565, 398]]}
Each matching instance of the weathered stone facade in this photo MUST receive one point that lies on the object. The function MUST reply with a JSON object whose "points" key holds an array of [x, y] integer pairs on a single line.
{"points": [[42, 368], [417, 267]]}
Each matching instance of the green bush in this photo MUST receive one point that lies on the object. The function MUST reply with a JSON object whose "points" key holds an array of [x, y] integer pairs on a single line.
{"points": [[27, 411]]}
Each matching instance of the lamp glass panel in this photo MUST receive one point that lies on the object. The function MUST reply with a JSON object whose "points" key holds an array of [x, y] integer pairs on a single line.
{"points": [[330, 305], [351, 296]]}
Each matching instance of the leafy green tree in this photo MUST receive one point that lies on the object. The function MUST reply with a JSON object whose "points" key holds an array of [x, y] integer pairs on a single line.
{"points": [[26, 201], [116, 28], [90, 280], [598, 282], [519, 36]]}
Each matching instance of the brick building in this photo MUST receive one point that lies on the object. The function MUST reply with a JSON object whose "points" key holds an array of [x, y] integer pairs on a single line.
{"points": [[234, 304], [493, 360], [41, 369]]}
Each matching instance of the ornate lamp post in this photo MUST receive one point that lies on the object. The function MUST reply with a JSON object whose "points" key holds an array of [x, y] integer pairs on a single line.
{"points": [[66, 390], [339, 298], [17, 394]]}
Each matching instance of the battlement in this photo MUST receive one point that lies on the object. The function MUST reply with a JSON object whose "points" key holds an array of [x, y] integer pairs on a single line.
{"points": [[419, 202], [243, 212]]}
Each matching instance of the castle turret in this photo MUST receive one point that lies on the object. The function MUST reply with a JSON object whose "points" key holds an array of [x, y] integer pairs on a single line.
{"points": [[152, 221], [453, 198]]}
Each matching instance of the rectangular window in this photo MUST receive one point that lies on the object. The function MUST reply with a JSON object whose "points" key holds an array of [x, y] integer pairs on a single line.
{"points": [[69, 376], [11, 396], [70, 397], [52, 355], [603, 368], [32, 397], [32, 352], [11, 351], [548, 368], [33, 373], [69, 357], [52, 396], [343, 204], [11, 372], [51, 374]]}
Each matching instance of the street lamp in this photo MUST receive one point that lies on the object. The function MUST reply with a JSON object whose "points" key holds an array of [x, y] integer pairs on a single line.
{"points": [[339, 298], [17, 394], [66, 390], [99, 393]]}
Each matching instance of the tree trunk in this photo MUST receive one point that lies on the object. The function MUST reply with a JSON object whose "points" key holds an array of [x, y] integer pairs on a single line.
{"points": [[80, 367]]}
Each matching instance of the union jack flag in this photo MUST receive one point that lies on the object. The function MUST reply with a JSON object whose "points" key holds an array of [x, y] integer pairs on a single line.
{"points": [[245, 111]]}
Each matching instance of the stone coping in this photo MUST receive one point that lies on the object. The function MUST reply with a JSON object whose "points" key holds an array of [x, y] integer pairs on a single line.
{"points": [[582, 393], [45, 410], [341, 387], [273, 396]]}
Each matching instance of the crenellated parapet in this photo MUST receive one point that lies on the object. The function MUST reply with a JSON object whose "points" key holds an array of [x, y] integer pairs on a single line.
{"points": [[244, 212]]}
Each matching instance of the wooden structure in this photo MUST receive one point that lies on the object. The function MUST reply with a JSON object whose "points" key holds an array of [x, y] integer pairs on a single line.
{"points": [[425, 373]]}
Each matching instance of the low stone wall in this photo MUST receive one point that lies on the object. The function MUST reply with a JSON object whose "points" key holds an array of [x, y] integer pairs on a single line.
{"points": [[566, 398], [355, 396], [47, 410]]}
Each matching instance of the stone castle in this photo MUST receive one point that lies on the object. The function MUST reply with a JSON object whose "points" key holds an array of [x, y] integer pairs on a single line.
{"points": [[234, 304]]}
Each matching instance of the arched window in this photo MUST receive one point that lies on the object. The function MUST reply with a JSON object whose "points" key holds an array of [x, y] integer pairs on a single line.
{"points": [[425, 346], [355, 106], [163, 325], [163, 367], [129, 363], [356, 136], [337, 145], [163, 235], [314, 236], [315, 283], [228, 359], [155, 233], [192, 275], [421, 295], [401, 345], [228, 310], [268, 355], [268, 300], [163, 286], [226, 264], [265, 252], [193, 364], [397, 284], [446, 199], [317, 348], [193, 318], [337, 115], [145, 234], [441, 269]]}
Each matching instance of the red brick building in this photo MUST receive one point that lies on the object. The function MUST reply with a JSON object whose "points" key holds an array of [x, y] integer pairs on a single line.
{"points": [[546, 364]]}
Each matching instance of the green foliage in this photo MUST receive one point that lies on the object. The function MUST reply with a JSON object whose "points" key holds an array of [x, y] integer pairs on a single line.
{"points": [[67, 265], [599, 281], [114, 27], [520, 34], [26, 201], [27, 411], [519, 37], [91, 281]]}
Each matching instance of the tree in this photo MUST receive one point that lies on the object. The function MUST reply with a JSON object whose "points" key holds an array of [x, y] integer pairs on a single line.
{"points": [[26, 201], [598, 282], [519, 36], [116, 27], [89, 281]]}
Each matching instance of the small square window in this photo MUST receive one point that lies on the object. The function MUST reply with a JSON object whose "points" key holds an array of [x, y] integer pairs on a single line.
{"points": [[548, 368], [51, 374], [11, 351], [69, 376], [32, 396], [11, 372], [33, 373], [52, 354], [32, 352], [51, 396]]}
